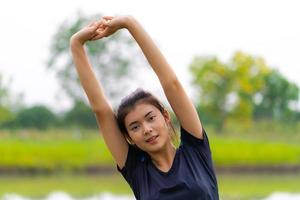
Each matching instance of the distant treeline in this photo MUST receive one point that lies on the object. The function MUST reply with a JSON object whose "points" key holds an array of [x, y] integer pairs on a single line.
{"points": [[241, 90], [42, 117]]}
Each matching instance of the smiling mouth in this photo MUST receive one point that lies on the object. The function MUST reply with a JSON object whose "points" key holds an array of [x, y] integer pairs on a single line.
{"points": [[152, 139]]}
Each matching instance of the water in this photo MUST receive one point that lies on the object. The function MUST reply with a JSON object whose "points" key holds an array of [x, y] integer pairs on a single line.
{"points": [[109, 196]]}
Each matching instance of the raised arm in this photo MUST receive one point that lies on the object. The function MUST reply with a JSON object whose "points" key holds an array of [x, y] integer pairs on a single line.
{"points": [[182, 106], [105, 116]]}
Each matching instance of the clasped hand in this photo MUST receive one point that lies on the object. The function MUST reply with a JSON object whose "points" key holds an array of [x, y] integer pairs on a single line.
{"points": [[99, 29]]}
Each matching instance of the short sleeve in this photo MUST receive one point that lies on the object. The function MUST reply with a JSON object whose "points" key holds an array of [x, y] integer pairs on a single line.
{"points": [[130, 163], [199, 149], [190, 141]]}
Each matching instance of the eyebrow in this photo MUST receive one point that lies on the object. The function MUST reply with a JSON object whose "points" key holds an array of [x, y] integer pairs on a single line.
{"points": [[144, 117]]}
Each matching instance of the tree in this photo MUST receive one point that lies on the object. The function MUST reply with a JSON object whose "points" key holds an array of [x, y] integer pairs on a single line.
{"points": [[276, 97], [38, 116], [227, 90], [9, 103], [110, 57], [80, 115], [213, 81], [249, 79]]}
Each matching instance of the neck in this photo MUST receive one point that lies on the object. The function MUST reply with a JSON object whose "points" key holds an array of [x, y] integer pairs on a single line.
{"points": [[164, 158]]}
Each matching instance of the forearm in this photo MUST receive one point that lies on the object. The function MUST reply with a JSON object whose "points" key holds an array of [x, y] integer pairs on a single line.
{"points": [[152, 53], [89, 82]]}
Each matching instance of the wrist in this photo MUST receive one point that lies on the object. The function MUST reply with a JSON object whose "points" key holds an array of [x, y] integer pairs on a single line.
{"points": [[74, 41], [129, 21]]}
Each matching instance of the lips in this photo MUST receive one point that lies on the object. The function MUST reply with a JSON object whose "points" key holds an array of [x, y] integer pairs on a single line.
{"points": [[152, 138]]}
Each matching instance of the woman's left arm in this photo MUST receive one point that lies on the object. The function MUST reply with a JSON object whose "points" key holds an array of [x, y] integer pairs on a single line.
{"points": [[181, 104]]}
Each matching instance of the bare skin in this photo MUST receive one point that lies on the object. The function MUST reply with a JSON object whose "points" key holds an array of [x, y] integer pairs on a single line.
{"points": [[146, 121], [162, 153]]}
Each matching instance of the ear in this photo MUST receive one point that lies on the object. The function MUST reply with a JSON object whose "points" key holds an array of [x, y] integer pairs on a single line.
{"points": [[166, 116]]}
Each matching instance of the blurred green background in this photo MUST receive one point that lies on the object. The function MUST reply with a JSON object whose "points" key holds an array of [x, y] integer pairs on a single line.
{"points": [[249, 109]]}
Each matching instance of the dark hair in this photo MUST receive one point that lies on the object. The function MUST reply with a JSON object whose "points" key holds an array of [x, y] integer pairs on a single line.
{"points": [[131, 100]]}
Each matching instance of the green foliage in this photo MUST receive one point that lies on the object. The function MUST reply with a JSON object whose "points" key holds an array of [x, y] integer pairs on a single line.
{"points": [[38, 116], [226, 90], [41, 117], [80, 115], [242, 90], [277, 94], [3, 91], [213, 80], [9, 102], [5, 115], [249, 73]]}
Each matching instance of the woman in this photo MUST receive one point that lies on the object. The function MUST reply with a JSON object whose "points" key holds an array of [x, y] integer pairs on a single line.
{"points": [[139, 135]]}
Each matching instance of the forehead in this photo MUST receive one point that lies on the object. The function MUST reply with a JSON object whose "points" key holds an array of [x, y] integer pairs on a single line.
{"points": [[139, 111]]}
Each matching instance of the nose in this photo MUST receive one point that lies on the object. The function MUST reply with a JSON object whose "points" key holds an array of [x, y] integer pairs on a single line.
{"points": [[147, 129]]}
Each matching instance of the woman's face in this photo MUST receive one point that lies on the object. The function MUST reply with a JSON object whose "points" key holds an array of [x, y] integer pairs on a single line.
{"points": [[148, 127]]}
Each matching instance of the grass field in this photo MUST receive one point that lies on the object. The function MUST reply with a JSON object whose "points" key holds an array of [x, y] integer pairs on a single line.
{"points": [[64, 150], [77, 149]]}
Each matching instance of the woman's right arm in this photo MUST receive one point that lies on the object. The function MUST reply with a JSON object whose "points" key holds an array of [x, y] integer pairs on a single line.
{"points": [[105, 116]]}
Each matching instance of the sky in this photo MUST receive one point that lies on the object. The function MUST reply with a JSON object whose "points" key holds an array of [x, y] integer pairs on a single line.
{"points": [[181, 29]]}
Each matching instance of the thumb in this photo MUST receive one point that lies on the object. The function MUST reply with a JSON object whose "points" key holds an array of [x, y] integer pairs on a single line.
{"points": [[93, 26]]}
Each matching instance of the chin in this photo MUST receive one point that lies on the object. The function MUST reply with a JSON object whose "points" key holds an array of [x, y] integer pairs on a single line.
{"points": [[156, 148]]}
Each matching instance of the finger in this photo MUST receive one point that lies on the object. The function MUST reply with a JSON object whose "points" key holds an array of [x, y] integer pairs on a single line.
{"points": [[102, 32], [94, 35], [106, 23], [97, 37], [100, 29], [97, 24], [107, 17], [101, 23], [98, 34], [101, 26]]}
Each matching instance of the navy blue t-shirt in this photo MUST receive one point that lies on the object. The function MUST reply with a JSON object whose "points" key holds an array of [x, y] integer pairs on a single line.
{"points": [[191, 176]]}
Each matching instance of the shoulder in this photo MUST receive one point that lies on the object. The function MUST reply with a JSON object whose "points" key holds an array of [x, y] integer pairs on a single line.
{"points": [[188, 140], [134, 156], [187, 136]]}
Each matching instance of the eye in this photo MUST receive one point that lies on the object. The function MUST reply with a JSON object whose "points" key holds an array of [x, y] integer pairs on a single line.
{"points": [[134, 128], [152, 118]]}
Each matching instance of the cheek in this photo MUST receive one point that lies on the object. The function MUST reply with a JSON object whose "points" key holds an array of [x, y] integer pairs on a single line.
{"points": [[163, 123], [136, 136]]}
